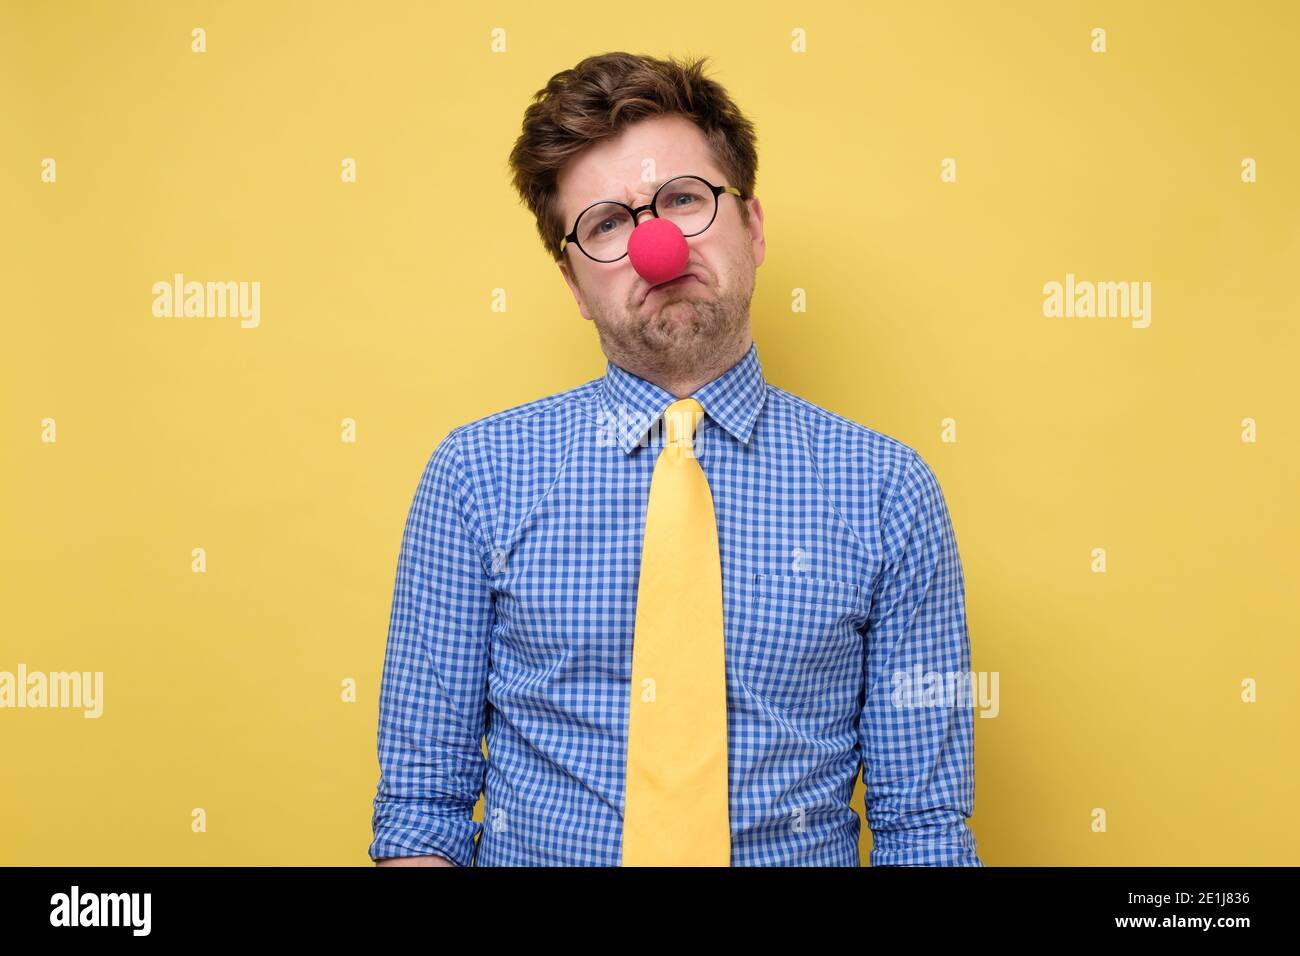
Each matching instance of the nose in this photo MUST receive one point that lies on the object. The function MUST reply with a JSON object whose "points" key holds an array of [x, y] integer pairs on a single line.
{"points": [[657, 250]]}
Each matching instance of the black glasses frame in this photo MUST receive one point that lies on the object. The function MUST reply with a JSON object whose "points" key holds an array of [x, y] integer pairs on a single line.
{"points": [[572, 237]]}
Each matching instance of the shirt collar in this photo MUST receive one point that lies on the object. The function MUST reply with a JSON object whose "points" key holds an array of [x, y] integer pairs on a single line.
{"points": [[630, 404]]}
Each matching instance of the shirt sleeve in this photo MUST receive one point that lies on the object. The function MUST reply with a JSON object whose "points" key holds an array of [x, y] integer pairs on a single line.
{"points": [[918, 749], [432, 694]]}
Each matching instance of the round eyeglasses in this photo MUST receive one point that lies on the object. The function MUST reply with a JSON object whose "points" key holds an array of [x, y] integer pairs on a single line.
{"points": [[603, 228]]}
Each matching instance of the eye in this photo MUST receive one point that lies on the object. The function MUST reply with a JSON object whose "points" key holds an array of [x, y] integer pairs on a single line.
{"points": [[597, 226]]}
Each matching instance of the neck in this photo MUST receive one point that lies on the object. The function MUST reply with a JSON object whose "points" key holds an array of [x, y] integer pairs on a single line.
{"points": [[680, 383]]}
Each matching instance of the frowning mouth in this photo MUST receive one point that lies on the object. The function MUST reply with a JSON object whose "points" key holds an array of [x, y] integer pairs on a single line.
{"points": [[670, 284]]}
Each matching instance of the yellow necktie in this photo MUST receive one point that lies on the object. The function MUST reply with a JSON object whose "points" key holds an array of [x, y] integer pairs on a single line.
{"points": [[676, 808]]}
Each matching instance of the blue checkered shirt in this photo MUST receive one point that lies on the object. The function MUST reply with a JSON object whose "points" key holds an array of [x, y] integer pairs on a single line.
{"points": [[513, 613]]}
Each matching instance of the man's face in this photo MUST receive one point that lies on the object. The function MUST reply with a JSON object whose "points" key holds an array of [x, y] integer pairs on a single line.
{"points": [[688, 326]]}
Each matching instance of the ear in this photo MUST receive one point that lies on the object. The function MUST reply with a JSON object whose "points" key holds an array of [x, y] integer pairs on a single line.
{"points": [[572, 282], [756, 230]]}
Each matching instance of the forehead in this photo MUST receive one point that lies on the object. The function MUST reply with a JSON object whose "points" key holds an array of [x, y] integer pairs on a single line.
{"points": [[628, 165]]}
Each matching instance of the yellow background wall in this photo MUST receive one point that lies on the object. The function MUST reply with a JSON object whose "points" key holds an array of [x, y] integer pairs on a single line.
{"points": [[224, 690]]}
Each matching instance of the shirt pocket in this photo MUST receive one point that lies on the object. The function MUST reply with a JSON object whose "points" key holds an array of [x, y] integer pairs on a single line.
{"points": [[802, 643]]}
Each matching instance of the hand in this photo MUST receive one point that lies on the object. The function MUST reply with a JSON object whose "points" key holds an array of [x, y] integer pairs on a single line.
{"points": [[415, 861]]}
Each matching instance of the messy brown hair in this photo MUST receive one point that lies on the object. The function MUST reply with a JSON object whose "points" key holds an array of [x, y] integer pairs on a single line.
{"points": [[596, 99]]}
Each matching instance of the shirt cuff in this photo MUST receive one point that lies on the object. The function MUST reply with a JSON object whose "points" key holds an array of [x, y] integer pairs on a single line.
{"points": [[894, 852], [451, 839]]}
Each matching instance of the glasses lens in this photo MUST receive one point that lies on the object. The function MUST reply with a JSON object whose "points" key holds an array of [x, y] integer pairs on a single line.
{"points": [[688, 202], [603, 231]]}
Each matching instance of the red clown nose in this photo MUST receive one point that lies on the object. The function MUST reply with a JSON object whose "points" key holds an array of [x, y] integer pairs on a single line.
{"points": [[658, 250]]}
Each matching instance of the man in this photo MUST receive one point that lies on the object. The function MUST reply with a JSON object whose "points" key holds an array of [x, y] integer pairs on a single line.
{"points": [[677, 598]]}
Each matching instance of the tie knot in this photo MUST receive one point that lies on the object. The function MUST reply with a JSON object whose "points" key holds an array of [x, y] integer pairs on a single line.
{"points": [[680, 422]]}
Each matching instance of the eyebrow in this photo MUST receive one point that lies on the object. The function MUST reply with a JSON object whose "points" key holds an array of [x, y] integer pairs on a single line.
{"points": [[659, 182], [652, 187]]}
